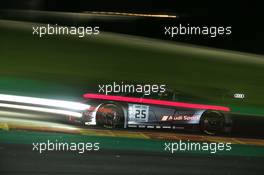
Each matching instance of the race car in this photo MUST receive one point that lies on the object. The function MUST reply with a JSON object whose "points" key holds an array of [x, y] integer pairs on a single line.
{"points": [[115, 111]]}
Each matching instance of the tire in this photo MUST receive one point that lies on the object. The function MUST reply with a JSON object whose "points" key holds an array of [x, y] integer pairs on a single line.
{"points": [[212, 122], [110, 116]]}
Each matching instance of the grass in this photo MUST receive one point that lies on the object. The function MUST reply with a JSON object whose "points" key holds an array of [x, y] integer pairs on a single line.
{"points": [[127, 144], [70, 66]]}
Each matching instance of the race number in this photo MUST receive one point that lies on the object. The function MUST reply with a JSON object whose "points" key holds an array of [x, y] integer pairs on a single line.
{"points": [[138, 113]]}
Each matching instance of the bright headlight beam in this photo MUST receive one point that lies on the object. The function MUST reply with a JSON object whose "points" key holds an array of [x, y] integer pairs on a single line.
{"points": [[43, 101], [40, 109]]}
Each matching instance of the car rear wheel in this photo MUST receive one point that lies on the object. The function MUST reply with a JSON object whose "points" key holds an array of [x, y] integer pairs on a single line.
{"points": [[110, 116], [212, 122]]}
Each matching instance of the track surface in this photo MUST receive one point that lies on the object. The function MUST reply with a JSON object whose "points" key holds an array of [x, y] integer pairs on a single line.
{"points": [[22, 160], [249, 134]]}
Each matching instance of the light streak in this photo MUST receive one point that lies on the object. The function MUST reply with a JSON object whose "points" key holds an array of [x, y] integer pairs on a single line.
{"points": [[132, 14], [44, 102], [40, 109]]}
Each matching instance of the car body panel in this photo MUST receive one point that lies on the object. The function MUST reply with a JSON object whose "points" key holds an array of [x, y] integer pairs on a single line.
{"points": [[160, 115], [150, 113]]}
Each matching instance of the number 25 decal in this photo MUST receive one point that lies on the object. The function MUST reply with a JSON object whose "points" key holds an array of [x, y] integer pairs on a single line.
{"points": [[140, 113]]}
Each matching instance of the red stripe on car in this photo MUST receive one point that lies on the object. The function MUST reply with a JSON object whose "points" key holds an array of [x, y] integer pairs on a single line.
{"points": [[154, 102]]}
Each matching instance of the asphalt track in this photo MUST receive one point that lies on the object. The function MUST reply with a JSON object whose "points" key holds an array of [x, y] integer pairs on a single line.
{"points": [[246, 132], [20, 159]]}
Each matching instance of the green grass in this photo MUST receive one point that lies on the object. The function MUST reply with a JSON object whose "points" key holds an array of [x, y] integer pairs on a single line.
{"points": [[70, 66], [116, 143]]}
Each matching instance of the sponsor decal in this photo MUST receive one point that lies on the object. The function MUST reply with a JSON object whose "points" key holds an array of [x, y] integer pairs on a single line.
{"points": [[179, 117]]}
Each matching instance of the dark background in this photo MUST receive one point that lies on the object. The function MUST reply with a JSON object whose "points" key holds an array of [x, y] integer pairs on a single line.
{"points": [[245, 17]]}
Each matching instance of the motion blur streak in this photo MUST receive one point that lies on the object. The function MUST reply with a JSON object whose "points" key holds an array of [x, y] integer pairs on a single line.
{"points": [[25, 124], [45, 102], [132, 14], [40, 109], [155, 102]]}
